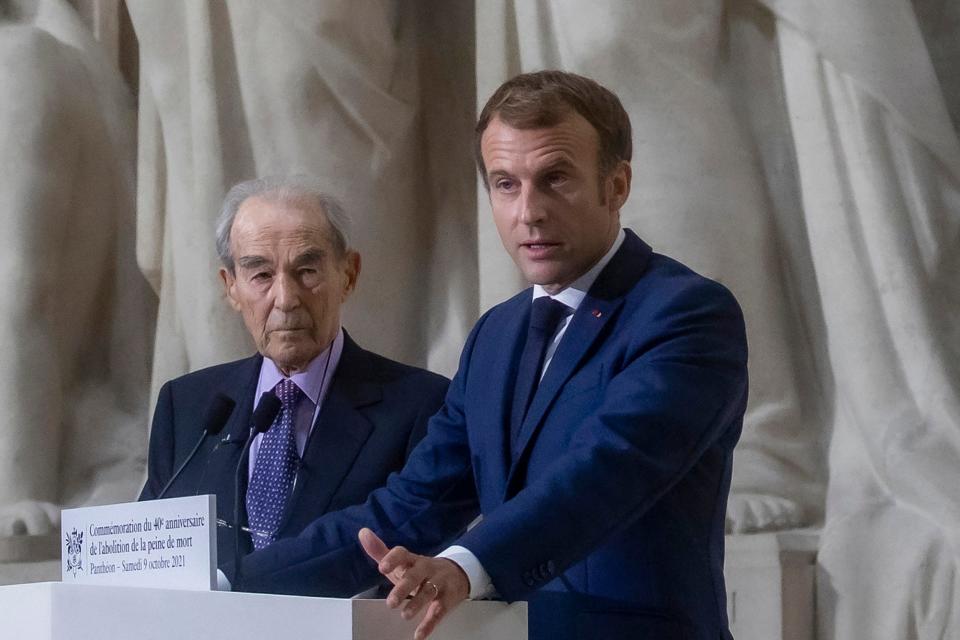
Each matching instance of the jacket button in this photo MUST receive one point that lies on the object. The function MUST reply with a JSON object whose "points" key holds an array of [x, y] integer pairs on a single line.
{"points": [[528, 580], [551, 568]]}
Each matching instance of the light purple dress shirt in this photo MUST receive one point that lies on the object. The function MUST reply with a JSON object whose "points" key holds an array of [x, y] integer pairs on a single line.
{"points": [[314, 381]]}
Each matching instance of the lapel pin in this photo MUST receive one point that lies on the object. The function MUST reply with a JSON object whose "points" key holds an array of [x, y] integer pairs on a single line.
{"points": [[597, 313]]}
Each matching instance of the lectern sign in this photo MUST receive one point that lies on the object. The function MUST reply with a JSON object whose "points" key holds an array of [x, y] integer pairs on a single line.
{"points": [[162, 543]]}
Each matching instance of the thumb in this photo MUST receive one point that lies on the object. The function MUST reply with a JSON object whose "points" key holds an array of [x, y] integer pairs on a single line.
{"points": [[372, 544]]}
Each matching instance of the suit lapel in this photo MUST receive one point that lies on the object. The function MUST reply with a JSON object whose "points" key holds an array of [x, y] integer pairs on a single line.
{"points": [[240, 386], [505, 360], [338, 434], [585, 326], [218, 476], [598, 308]]}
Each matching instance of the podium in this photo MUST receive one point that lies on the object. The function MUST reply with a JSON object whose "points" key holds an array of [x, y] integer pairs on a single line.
{"points": [[770, 585], [55, 611]]}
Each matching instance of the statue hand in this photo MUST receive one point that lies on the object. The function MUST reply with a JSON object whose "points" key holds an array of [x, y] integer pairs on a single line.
{"points": [[29, 518]]}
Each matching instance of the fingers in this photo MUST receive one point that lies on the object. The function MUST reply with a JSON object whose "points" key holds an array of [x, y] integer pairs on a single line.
{"points": [[445, 587], [419, 582], [395, 564], [406, 571], [372, 544], [426, 593], [434, 615]]}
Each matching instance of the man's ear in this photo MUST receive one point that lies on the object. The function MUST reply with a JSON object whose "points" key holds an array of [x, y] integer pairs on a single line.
{"points": [[351, 272], [618, 185], [230, 287]]}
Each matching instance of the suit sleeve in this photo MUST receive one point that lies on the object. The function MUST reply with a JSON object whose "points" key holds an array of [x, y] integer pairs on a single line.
{"points": [[429, 502], [432, 402], [160, 456], [674, 395]]}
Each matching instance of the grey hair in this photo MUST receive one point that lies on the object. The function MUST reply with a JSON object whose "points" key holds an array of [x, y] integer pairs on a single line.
{"points": [[281, 189]]}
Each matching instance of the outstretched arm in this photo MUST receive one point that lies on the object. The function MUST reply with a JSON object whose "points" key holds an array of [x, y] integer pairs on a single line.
{"points": [[429, 502], [676, 396]]}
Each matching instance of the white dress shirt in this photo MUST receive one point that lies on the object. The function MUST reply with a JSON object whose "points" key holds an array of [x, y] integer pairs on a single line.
{"points": [[481, 586]]}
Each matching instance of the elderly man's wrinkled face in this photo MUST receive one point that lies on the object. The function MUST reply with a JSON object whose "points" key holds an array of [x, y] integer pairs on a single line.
{"points": [[289, 279]]}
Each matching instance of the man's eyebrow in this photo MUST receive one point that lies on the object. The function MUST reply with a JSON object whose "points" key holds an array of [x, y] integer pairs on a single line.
{"points": [[309, 256], [252, 262], [561, 162], [497, 173]]}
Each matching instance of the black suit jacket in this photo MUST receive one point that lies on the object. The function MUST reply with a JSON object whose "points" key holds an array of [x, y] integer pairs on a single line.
{"points": [[375, 412]]}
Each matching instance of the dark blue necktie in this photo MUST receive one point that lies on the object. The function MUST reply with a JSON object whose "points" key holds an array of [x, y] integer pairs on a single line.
{"points": [[544, 320], [274, 470]]}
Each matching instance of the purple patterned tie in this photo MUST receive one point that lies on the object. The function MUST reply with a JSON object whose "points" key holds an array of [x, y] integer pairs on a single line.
{"points": [[275, 468]]}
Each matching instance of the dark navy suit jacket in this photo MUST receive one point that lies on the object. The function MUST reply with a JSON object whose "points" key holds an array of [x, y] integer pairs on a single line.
{"points": [[608, 516], [375, 412]]}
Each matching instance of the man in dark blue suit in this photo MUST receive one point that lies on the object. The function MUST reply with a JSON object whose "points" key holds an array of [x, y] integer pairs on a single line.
{"points": [[354, 415], [591, 422]]}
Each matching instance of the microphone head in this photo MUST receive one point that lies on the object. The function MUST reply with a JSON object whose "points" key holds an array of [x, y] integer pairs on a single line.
{"points": [[265, 413], [218, 411]]}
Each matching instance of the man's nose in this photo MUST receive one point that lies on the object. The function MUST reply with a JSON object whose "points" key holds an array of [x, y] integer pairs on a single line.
{"points": [[532, 205], [286, 292]]}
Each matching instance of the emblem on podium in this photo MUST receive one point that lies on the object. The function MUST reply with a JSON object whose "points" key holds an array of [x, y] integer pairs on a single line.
{"points": [[74, 552]]}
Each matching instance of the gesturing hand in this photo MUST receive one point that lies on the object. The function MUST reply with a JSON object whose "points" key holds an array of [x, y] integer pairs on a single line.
{"points": [[437, 583]]}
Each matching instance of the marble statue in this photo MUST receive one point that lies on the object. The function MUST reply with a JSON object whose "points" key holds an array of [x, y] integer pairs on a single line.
{"points": [[77, 318], [877, 167]]}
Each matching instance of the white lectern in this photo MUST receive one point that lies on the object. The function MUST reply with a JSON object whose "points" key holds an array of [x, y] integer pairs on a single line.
{"points": [[55, 611], [770, 585]]}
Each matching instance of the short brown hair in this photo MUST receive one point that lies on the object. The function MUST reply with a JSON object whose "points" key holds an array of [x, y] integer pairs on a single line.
{"points": [[544, 98]]}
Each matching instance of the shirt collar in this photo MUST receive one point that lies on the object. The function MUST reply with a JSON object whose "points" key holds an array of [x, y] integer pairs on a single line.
{"points": [[574, 294], [312, 379]]}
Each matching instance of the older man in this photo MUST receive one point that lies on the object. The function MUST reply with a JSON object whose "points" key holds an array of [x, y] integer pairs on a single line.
{"points": [[348, 418], [592, 420]]}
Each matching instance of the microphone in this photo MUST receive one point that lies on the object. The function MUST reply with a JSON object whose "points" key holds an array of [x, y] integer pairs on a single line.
{"points": [[218, 411], [263, 417]]}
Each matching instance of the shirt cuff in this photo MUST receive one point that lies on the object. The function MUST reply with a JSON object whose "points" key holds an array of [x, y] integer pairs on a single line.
{"points": [[481, 586]]}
